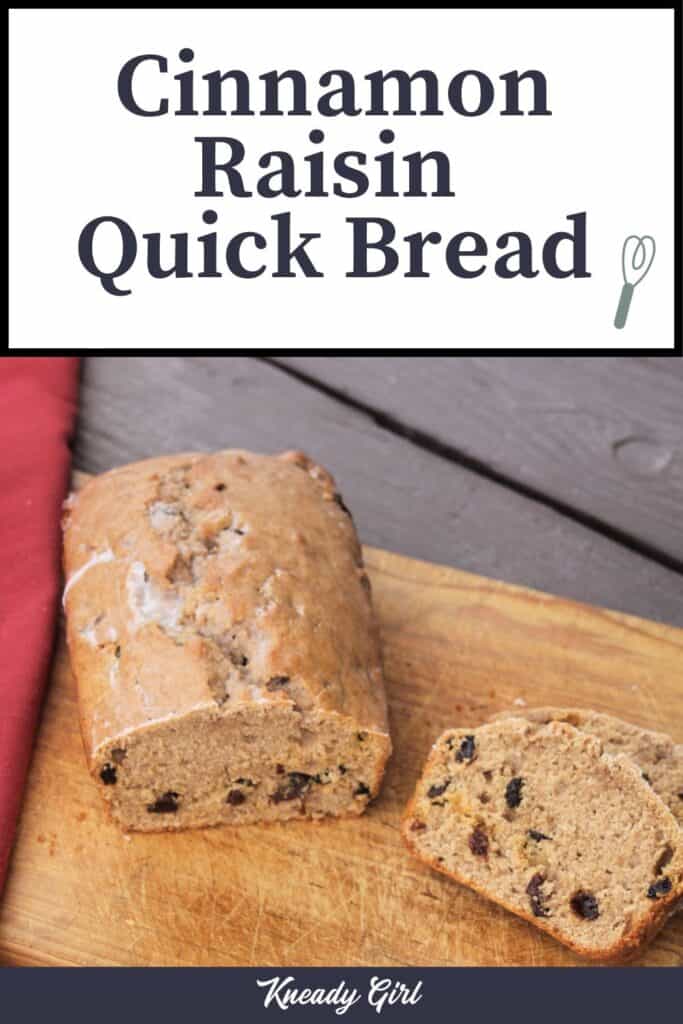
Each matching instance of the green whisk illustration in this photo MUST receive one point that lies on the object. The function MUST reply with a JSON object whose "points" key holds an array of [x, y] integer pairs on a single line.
{"points": [[637, 255]]}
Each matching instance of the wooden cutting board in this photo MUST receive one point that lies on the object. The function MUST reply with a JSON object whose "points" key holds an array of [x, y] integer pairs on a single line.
{"points": [[457, 647]]}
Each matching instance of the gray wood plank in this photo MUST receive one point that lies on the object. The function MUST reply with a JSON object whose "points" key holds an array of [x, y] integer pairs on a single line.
{"points": [[672, 365], [601, 436], [403, 498]]}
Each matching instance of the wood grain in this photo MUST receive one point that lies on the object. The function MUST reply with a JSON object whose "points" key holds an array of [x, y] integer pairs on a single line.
{"points": [[457, 647], [404, 498], [602, 436]]}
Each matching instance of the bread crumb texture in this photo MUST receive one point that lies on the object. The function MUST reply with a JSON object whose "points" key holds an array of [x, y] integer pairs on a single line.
{"points": [[221, 633]]}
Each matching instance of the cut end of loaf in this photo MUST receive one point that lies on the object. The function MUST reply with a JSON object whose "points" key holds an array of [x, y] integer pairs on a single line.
{"points": [[539, 819], [238, 767]]}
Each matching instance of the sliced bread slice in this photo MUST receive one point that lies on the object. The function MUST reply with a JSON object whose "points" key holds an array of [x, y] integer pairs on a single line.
{"points": [[541, 820]]}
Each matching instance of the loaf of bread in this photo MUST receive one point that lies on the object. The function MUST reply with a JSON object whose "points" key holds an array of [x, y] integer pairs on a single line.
{"points": [[221, 633], [658, 757], [540, 819]]}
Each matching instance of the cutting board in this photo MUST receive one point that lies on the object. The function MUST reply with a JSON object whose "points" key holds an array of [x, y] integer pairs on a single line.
{"points": [[457, 647]]}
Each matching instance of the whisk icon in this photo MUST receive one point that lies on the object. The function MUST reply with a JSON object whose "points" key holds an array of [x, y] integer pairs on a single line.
{"points": [[637, 255]]}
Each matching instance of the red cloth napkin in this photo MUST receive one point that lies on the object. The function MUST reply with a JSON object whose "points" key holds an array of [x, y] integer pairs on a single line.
{"points": [[37, 413]]}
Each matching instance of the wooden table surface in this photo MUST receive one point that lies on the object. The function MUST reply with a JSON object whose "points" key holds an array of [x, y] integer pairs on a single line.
{"points": [[560, 474]]}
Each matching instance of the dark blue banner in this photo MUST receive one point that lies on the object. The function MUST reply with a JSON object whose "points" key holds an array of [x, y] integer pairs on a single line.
{"points": [[466, 996]]}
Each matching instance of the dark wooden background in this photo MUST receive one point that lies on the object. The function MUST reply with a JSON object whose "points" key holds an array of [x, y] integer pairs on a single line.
{"points": [[561, 474]]}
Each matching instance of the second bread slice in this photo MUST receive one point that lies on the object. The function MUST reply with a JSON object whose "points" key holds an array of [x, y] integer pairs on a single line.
{"points": [[658, 757], [541, 820]]}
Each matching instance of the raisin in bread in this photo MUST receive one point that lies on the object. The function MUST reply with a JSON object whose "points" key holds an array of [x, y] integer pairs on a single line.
{"points": [[658, 757], [221, 634], [542, 821]]}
